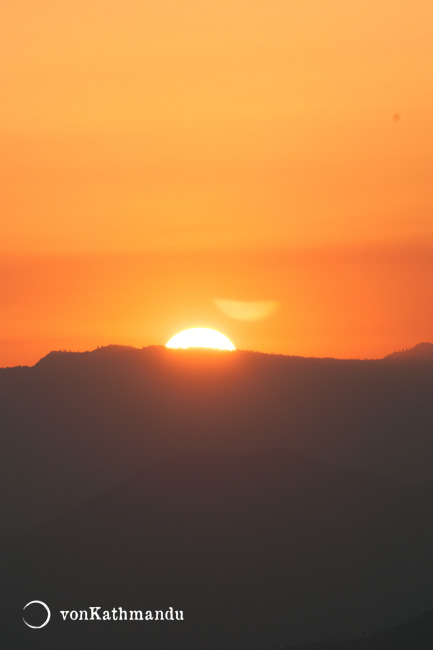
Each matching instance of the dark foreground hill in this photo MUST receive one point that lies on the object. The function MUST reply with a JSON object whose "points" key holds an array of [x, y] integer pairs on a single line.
{"points": [[77, 423], [259, 550], [414, 635], [421, 352]]}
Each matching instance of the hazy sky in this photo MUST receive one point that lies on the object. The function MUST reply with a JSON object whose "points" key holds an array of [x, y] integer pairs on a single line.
{"points": [[156, 157]]}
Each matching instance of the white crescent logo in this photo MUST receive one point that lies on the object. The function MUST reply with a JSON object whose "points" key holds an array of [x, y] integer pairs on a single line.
{"points": [[39, 602]]}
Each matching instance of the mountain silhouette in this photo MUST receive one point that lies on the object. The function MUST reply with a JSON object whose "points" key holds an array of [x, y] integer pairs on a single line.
{"points": [[417, 634], [420, 351], [259, 550], [77, 423]]}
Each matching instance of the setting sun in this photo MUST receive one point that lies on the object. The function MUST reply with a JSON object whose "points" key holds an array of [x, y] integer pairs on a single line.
{"points": [[200, 337]]}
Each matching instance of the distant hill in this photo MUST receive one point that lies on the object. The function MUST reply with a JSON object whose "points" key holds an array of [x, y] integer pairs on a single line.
{"points": [[260, 550], [78, 423], [419, 352], [414, 635]]}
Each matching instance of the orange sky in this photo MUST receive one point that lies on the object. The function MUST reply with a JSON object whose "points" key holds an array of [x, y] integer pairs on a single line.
{"points": [[156, 158]]}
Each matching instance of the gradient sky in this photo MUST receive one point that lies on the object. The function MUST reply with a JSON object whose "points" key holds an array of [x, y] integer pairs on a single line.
{"points": [[157, 157]]}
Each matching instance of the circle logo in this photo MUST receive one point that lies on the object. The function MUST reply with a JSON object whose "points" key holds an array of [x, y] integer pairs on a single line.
{"points": [[38, 602]]}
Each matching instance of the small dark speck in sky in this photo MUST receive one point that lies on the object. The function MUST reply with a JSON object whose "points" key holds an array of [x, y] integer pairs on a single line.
{"points": [[396, 117]]}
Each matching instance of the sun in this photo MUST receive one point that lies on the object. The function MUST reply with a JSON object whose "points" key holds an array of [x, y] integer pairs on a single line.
{"points": [[200, 337]]}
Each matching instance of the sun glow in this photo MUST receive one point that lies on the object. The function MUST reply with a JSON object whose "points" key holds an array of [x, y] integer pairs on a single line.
{"points": [[200, 337]]}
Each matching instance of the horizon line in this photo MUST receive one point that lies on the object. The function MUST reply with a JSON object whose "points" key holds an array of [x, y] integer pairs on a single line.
{"points": [[403, 353]]}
